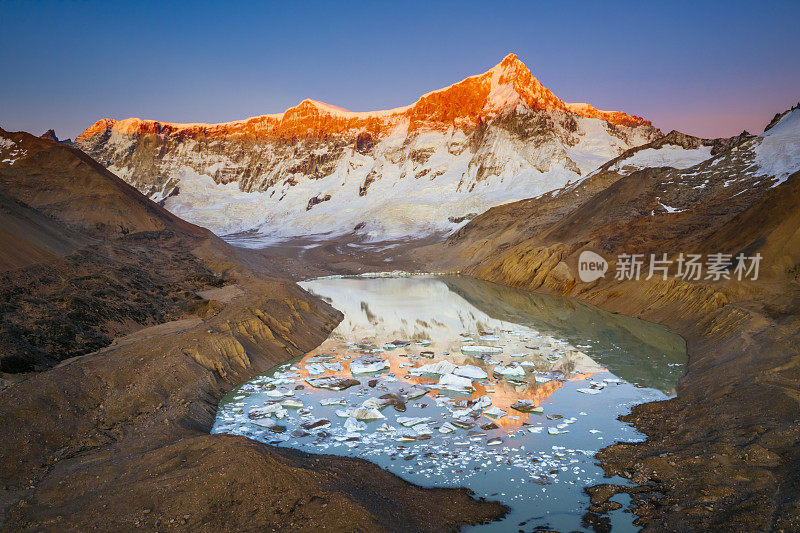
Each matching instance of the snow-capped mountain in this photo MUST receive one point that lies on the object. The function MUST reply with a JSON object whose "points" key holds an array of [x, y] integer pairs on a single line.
{"points": [[411, 171]]}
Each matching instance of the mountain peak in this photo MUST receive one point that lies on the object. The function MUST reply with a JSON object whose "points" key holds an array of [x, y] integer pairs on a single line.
{"points": [[513, 83], [50, 135], [321, 106], [464, 104], [510, 62]]}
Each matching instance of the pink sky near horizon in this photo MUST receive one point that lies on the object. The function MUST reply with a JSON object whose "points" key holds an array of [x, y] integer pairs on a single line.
{"points": [[698, 67]]}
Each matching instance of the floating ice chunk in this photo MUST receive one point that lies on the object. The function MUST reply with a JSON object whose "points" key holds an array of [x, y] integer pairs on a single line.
{"points": [[453, 382], [315, 368], [319, 423], [270, 424], [479, 349], [589, 391], [553, 431], [375, 403], [352, 425], [489, 338], [333, 401], [464, 423], [521, 354], [495, 412], [470, 371], [397, 343], [527, 406], [593, 431], [414, 392], [359, 413], [510, 370], [447, 427], [332, 383], [409, 421], [422, 429], [292, 404], [275, 409], [367, 364], [411, 438], [333, 367], [482, 402], [536, 429], [494, 441], [366, 414], [441, 368]]}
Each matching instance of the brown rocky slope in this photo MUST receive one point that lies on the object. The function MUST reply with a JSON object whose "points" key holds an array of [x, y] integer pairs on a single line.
{"points": [[723, 454], [115, 435]]}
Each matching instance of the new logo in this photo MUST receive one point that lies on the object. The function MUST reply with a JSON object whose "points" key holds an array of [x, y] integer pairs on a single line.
{"points": [[591, 266]]}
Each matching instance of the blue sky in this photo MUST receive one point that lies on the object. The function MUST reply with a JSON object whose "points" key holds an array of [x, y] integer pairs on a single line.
{"points": [[705, 68]]}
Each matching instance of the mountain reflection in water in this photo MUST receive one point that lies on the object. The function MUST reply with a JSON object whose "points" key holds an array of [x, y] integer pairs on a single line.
{"points": [[450, 381]]}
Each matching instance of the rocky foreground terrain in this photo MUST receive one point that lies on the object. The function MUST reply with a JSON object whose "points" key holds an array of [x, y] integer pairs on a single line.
{"points": [[723, 454], [122, 327]]}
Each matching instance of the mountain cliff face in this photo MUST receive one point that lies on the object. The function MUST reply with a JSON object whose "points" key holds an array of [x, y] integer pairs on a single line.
{"points": [[415, 170]]}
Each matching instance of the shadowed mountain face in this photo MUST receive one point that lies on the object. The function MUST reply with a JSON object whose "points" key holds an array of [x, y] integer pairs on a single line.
{"points": [[69, 186], [27, 237], [86, 258]]}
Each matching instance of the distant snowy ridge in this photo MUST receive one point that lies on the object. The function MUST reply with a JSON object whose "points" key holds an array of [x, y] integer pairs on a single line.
{"points": [[411, 171]]}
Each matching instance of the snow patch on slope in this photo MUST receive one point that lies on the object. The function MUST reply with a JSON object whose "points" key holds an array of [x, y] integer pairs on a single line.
{"points": [[778, 153], [666, 156], [597, 145]]}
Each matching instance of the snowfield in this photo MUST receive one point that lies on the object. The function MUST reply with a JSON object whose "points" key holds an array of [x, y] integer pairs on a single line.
{"points": [[405, 198], [778, 152], [666, 156]]}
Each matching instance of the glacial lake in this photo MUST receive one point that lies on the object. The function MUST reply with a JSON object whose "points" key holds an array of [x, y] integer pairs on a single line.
{"points": [[454, 382]]}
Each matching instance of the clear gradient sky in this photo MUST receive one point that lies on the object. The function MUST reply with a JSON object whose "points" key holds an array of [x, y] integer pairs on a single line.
{"points": [[705, 68]]}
